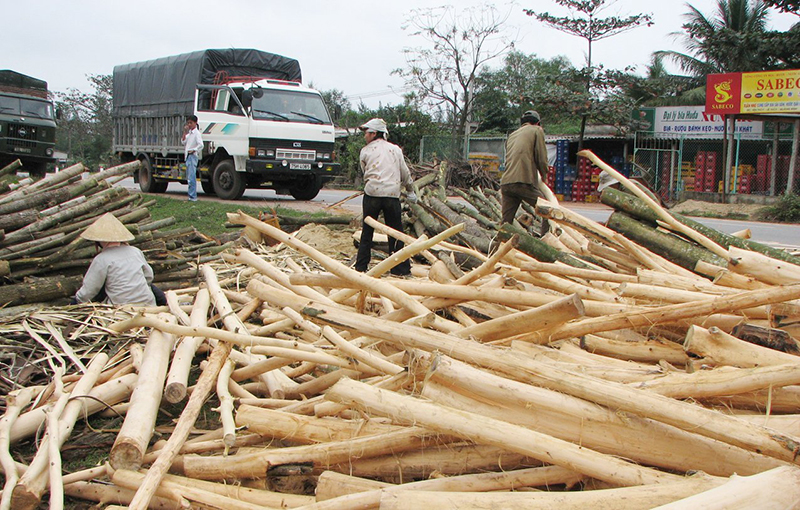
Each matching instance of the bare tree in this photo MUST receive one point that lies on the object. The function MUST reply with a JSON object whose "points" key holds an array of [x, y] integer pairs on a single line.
{"points": [[583, 21], [459, 43]]}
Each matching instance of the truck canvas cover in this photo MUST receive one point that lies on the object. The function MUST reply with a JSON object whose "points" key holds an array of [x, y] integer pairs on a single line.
{"points": [[166, 86]]}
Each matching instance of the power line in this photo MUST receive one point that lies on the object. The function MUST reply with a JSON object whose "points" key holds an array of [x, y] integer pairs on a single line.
{"points": [[377, 93]]}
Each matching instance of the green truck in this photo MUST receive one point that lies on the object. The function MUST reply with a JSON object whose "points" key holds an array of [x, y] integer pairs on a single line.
{"points": [[27, 122]]}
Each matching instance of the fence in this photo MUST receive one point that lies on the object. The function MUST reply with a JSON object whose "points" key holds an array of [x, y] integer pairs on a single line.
{"points": [[452, 148], [676, 165], [672, 165]]}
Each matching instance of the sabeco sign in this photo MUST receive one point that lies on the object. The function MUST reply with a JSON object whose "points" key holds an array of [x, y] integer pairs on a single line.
{"points": [[760, 92]]}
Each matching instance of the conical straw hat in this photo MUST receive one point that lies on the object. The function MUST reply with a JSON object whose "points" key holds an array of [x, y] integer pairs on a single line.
{"points": [[107, 228]]}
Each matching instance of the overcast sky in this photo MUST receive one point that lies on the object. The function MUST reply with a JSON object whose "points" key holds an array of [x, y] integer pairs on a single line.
{"points": [[349, 45]]}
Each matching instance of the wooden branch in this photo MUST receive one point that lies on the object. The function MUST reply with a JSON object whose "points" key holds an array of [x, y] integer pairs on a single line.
{"points": [[34, 482], [406, 410], [306, 429], [133, 437], [763, 267], [178, 376], [720, 348], [16, 401], [225, 409], [339, 269], [648, 442], [254, 465], [543, 317]]}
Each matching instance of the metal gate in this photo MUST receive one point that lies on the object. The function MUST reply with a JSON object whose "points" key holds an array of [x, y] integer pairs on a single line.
{"points": [[658, 161]]}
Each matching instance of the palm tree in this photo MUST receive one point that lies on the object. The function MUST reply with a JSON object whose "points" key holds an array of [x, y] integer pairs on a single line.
{"points": [[725, 42]]}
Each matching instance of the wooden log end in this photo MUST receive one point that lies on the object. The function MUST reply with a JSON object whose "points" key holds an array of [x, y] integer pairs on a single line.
{"points": [[126, 455], [24, 499], [175, 393]]}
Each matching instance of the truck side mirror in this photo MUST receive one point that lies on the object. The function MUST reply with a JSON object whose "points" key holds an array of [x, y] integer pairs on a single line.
{"points": [[247, 98], [58, 114]]}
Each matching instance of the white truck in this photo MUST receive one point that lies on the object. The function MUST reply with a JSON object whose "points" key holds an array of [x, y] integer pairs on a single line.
{"points": [[261, 127]]}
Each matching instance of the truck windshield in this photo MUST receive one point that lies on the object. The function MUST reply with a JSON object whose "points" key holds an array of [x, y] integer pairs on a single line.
{"points": [[11, 105], [290, 106]]}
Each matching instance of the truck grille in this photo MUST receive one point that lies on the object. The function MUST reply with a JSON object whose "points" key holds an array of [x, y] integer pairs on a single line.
{"points": [[22, 132], [295, 154]]}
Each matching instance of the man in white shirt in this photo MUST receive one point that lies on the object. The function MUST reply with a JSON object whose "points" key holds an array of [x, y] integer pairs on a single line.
{"points": [[385, 173], [193, 144]]}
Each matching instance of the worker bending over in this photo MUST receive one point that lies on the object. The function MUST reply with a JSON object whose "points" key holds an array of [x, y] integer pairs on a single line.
{"points": [[119, 274]]}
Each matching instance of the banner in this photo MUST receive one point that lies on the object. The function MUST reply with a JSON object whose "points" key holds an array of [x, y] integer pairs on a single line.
{"points": [[758, 92], [693, 122], [771, 92]]}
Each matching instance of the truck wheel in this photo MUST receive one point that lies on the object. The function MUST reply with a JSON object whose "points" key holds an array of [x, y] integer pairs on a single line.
{"points": [[228, 183], [208, 187], [147, 182], [305, 189]]}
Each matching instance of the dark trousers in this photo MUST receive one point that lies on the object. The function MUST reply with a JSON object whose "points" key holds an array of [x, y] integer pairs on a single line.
{"points": [[512, 195], [372, 207]]}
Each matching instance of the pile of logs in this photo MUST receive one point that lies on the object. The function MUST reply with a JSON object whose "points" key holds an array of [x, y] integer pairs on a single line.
{"points": [[609, 378], [42, 257], [458, 174]]}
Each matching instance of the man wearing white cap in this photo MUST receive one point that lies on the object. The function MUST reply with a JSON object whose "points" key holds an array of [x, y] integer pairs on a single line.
{"points": [[526, 163], [385, 174], [119, 274]]}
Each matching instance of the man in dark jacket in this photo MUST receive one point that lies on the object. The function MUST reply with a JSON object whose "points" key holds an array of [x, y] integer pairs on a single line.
{"points": [[526, 163]]}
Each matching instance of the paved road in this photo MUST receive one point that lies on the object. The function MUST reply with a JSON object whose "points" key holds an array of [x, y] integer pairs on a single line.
{"points": [[774, 234]]}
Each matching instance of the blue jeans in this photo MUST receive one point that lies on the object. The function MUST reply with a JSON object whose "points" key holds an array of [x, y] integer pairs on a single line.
{"points": [[191, 175]]}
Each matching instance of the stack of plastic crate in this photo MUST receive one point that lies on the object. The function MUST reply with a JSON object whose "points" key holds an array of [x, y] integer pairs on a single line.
{"points": [[705, 177]]}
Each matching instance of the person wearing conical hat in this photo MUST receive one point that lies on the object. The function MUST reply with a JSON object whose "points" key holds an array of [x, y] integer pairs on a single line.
{"points": [[119, 274]]}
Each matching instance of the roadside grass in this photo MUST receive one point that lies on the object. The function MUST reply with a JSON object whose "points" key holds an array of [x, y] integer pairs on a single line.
{"points": [[209, 216]]}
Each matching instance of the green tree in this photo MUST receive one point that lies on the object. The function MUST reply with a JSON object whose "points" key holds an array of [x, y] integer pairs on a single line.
{"points": [[407, 124], [661, 88], [727, 41], [459, 44], [337, 103], [792, 6], [584, 21], [86, 129], [525, 82]]}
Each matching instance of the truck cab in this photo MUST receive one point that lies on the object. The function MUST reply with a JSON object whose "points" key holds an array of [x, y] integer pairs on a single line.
{"points": [[265, 134], [27, 122]]}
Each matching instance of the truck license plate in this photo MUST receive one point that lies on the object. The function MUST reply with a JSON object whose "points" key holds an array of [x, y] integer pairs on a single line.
{"points": [[299, 166]]}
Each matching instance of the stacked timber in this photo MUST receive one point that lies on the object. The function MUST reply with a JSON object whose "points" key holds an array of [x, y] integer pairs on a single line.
{"points": [[42, 257], [631, 383]]}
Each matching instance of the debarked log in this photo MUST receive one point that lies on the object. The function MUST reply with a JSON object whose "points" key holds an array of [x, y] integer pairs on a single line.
{"points": [[682, 415], [485, 430], [255, 465], [625, 498]]}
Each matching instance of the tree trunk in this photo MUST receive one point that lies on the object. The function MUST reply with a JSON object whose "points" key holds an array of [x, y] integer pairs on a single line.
{"points": [[537, 248], [40, 291], [634, 206], [674, 248]]}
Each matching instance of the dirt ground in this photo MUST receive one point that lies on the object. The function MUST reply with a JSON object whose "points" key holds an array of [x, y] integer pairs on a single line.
{"points": [[715, 209]]}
